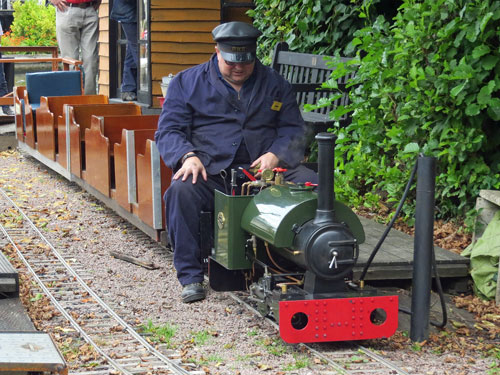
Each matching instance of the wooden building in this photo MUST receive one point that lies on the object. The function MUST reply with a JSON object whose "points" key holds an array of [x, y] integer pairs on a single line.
{"points": [[173, 35]]}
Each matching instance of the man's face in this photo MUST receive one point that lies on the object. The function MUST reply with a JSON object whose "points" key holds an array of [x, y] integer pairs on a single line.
{"points": [[236, 73]]}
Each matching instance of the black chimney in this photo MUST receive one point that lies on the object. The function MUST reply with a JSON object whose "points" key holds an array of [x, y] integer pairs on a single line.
{"points": [[326, 164]]}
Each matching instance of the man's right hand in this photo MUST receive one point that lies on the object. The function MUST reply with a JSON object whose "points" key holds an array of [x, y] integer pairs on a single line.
{"points": [[61, 5], [192, 166]]}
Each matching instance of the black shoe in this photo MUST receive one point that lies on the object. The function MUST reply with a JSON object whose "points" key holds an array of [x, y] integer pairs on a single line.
{"points": [[129, 96], [192, 292], [8, 111]]}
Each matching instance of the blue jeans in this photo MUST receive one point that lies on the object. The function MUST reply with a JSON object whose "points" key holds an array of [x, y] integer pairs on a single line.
{"points": [[3, 84], [129, 77]]}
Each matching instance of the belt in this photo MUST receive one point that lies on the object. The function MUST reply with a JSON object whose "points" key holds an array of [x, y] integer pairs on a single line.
{"points": [[81, 5]]}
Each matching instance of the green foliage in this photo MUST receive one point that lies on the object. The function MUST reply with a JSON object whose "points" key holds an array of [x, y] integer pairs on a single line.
{"points": [[201, 337], [494, 354], [312, 26], [428, 84], [300, 362], [159, 333], [33, 25]]}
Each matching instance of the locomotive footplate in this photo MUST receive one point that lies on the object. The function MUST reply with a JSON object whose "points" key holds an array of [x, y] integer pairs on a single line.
{"points": [[338, 319]]}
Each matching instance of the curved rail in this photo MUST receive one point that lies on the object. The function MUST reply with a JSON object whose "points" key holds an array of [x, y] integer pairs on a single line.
{"points": [[106, 316]]}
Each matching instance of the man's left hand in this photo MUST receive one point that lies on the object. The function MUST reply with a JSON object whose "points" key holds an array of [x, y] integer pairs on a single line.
{"points": [[266, 161]]}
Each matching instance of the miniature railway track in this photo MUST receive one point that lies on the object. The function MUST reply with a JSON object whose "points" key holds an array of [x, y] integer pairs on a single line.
{"points": [[123, 349], [347, 358], [120, 346]]}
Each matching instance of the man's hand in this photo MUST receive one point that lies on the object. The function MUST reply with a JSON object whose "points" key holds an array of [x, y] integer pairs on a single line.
{"points": [[61, 5], [193, 166], [266, 161]]}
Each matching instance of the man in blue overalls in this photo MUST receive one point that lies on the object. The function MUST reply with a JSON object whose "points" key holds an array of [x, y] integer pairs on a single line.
{"points": [[229, 112]]}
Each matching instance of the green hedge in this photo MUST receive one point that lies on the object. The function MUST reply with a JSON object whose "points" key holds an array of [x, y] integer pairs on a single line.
{"points": [[33, 25], [427, 81], [428, 84], [312, 26]]}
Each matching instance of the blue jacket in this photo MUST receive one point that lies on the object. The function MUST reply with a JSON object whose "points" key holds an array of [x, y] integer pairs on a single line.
{"points": [[201, 115], [124, 11]]}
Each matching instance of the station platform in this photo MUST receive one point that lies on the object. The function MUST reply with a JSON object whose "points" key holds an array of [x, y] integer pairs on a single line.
{"points": [[394, 260], [23, 350]]}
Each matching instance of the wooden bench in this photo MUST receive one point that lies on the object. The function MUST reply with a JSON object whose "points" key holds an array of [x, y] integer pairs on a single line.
{"points": [[71, 130], [100, 139], [306, 72], [18, 94], [150, 206], [133, 142], [47, 117], [59, 83], [135, 156]]}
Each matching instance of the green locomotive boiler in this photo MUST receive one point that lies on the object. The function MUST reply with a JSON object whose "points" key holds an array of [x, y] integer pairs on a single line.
{"points": [[293, 247]]}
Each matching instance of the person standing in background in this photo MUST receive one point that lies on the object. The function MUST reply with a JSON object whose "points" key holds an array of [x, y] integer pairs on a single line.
{"points": [[77, 29], [3, 84], [125, 12]]}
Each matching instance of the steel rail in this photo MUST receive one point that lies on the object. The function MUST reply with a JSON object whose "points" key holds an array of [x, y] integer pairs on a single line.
{"points": [[171, 366], [63, 311]]}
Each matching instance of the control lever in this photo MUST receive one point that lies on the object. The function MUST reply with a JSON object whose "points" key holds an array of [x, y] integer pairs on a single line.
{"points": [[334, 259]]}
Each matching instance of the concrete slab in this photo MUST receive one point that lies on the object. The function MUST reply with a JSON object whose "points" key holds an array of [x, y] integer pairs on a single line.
{"points": [[8, 139], [7, 128]]}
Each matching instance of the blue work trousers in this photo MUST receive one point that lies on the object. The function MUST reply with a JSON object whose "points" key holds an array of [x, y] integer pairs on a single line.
{"points": [[3, 83], [129, 76], [184, 203]]}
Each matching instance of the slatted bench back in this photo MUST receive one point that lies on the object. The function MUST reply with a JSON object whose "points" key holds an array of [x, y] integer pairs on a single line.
{"points": [[306, 72]]}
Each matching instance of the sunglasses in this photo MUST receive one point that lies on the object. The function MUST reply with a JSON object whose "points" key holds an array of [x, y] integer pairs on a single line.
{"points": [[230, 63]]}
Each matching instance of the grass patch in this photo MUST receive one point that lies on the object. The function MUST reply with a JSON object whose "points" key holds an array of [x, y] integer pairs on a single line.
{"points": [[252, 333], [201, 337], [159, 333], [300, 362], [274, 346], [205, 361]]}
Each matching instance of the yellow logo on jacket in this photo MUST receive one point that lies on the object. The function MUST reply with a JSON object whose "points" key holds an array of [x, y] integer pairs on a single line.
{"points": [[276, 106]]}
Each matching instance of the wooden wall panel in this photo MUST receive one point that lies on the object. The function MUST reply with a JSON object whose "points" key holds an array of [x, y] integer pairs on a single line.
{"points": [[181, 35], [103, 62], [161, 47], [103, 36], [103, 80], [162, 70], [183, 26], [180, 58], [185, 37], [104, 50], [185, 4], [185, 15]]}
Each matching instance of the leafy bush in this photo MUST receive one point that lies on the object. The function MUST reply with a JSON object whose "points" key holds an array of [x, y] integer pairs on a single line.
{"points": [[33, 25], [429, 84], [312, 26]]}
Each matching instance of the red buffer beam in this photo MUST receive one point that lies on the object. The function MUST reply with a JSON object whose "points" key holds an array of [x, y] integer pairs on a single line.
{"points": [[339, 319]]}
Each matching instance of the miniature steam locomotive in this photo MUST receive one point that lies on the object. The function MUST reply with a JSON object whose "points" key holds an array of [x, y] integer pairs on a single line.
{"points": [[294, 248]]}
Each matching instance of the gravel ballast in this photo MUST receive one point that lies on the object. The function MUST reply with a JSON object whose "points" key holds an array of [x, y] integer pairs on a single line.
{"points": [[218, 334]]}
